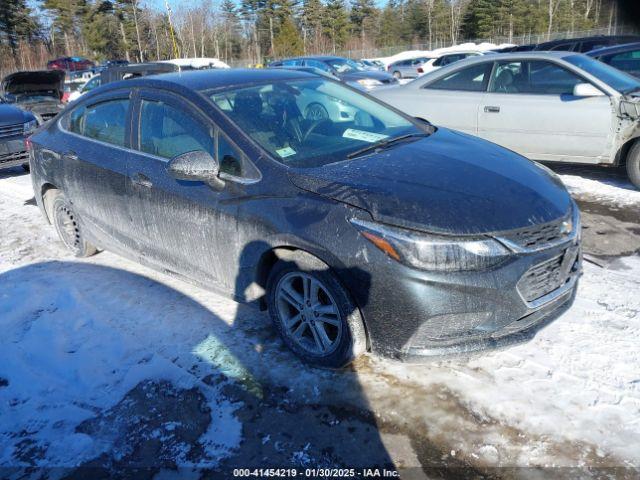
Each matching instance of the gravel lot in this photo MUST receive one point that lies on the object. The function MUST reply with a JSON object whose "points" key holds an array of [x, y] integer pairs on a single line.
{"points": [[110, 365]]}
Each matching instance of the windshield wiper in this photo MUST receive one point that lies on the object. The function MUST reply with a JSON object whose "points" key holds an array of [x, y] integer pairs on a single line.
{"points": [[387, 142]]}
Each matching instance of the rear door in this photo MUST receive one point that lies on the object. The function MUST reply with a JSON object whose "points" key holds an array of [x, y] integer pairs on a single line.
{"points": [[183, 225], [453, 100], [95, 155], [530, 108]]}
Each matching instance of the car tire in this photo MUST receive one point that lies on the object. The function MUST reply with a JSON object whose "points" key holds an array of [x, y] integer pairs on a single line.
{"points": [[343, 328], [26, 167], [633, 164], [67, 224], [397, 74]]}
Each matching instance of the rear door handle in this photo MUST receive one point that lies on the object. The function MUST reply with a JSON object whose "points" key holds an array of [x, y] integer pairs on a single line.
{"points": [[142, 180], [491, 109]]}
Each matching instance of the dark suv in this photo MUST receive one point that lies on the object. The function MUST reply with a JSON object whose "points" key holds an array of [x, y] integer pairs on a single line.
{"points": [[15, 125], [377, 232]]}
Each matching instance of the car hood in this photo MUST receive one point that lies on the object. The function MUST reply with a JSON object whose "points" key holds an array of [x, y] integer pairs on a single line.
{"points": [[10, 115], [448, 182], [32, 82], [376, 75]]}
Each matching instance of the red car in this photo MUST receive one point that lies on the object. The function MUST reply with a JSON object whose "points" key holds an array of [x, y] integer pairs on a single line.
{"points": [[70, 64]]}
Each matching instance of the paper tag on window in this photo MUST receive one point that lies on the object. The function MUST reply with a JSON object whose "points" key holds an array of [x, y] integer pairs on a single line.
{"points": [[286, 152], [363, 136]]}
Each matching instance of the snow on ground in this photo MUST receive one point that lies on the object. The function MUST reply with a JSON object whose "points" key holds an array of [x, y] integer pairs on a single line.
{"points": [[79, 335], [611, 192]]}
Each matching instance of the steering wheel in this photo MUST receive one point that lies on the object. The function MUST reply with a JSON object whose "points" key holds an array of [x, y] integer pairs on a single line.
{"points": [[314, 125]]}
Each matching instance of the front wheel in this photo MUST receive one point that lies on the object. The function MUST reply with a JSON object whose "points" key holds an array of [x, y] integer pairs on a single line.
{"points": [[313, 312], [397, 74], [633, 164], [67, 224]]}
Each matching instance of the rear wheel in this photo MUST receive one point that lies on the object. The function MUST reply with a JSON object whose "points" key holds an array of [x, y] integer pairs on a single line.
{"points": [[67, 224], [633, 164], [314, 313], [397, 74]]}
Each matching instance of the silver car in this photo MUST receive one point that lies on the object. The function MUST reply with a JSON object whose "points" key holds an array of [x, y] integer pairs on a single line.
{"points": [[548, 106], [408, 68]]}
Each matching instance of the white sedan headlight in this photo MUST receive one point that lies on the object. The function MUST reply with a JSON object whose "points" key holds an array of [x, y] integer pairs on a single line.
{"points": [[433, 252]]}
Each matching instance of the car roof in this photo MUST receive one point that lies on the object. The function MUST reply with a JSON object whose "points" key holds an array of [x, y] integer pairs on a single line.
{"points": [[515, 55], [614, 49], [315, 57], [212, 79]]}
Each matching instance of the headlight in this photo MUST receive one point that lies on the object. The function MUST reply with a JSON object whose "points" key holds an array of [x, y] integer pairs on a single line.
{"points": [[433, 252], [30, 126], [369, 82]]}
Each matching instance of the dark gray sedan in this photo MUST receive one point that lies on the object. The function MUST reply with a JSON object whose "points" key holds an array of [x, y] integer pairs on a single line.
{"points": [[380, 232], [344, 69]]}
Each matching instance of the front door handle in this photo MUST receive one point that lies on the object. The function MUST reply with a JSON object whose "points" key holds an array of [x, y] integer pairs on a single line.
{"points": [[71, 156], [142, 180], [491, 109]]}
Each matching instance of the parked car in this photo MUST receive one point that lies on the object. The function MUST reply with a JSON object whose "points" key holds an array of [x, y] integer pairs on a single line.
{"points": [[40, 92], [135, 70], [373, 64], [581, 45], [89, 85], [381, 233], [346, 70], [623, 57], [70, 64], [548, 106], [15, 125], [409, 67]]}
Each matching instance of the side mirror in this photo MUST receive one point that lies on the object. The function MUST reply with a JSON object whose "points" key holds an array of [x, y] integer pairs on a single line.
{"points": [[586, 90], [196, 166]]}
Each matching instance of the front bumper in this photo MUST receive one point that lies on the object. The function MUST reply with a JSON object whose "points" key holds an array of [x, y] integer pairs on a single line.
{"points": [[424, 314], [13, 152]]}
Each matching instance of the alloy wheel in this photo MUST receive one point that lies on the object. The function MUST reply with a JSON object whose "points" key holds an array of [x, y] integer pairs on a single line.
{"points": [[308, 313]]}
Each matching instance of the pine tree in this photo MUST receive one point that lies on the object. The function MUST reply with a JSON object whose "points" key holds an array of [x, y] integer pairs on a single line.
{"points": [[288, 41], [311, 21], [16, 23], [336, 24]]}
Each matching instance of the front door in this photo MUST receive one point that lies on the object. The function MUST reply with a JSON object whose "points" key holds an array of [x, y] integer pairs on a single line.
{"points": [[530, 108], [179, 222]]}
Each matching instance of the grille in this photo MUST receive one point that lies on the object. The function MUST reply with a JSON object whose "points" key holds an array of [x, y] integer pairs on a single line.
{"points": [[11, 130], [542, 279], [14, 157], [539, 236], [48, 116]]}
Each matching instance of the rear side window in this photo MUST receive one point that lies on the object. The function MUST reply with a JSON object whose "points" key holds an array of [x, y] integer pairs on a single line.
{"points": [[166, 131], [104, 121], [469, 79]]}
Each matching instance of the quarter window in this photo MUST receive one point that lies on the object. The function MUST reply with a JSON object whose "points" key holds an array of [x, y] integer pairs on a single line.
{"points": [[104, 121], [535, 77], [469, 79], [167, 132]]}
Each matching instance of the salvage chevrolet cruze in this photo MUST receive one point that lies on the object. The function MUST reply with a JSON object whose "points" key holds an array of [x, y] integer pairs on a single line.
{"points": [[367, 231]]}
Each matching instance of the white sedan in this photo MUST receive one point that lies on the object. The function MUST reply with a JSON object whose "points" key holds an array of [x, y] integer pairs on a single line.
{"points": [[548, 106]]}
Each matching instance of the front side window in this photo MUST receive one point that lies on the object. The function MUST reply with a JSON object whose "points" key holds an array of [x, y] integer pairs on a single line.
{"points": [[536, 77], [166, 131], [273, 116], [104, 121], [469, 79]]}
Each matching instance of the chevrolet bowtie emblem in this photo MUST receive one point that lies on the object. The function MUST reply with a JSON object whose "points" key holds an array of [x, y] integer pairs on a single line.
{"points": [[566, 227]]}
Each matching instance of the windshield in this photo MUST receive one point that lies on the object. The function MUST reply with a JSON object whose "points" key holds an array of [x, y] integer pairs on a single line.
{"points": [[613, 77], [310, 123], [344, 65]]}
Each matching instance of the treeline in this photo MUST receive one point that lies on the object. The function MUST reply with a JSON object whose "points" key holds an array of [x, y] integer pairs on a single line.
{"points": [[253, 30]]}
